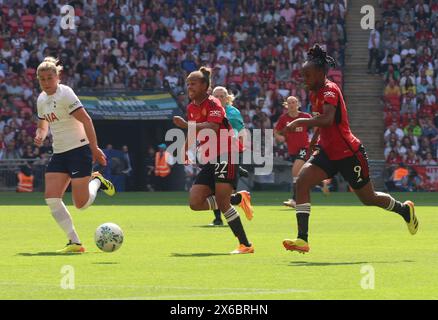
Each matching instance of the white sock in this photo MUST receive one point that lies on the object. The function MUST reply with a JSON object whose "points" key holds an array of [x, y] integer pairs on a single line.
{"points": [[63, 218], [93, 187]]}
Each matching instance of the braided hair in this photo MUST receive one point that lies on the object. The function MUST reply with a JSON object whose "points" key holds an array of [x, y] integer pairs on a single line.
{"points": [[318, 57]]}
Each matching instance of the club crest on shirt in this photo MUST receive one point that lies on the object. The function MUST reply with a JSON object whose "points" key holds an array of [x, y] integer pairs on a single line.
{"points": [[204, 112]]}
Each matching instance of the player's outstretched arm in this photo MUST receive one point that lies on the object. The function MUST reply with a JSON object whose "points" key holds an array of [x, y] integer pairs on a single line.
{"points": [[183, 124], [41, 132], [82, 116]]}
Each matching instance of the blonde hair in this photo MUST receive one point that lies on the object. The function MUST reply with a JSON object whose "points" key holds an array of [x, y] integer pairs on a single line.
{"points": [[50, 64], [229, 97]]}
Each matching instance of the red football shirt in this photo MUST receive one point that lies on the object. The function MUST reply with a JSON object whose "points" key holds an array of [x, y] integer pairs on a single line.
{"points": [[298, 139], [211, 110], [336, 140]]}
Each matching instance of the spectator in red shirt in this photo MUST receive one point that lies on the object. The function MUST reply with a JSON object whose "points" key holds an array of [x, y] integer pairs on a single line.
{"points": [[393, 158]]}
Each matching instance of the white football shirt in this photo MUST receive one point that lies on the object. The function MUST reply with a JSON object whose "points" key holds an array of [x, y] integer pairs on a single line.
{"points": [[67, 132]]}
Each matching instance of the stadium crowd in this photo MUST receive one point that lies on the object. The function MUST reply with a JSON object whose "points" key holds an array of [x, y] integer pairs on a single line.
{"points": [[406, 49], [254, 47]]}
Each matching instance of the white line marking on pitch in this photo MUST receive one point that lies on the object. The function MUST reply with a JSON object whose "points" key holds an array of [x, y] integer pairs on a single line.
{"points": [[140, 287], [235, 291], [212, 294]]}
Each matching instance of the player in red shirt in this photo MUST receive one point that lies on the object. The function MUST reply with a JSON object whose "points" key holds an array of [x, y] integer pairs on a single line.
{"points": [[338, 151], [297, 141], [214, 185]]}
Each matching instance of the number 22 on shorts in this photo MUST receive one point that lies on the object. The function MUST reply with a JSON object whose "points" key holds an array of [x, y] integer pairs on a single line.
{"points": [[223, 169]]}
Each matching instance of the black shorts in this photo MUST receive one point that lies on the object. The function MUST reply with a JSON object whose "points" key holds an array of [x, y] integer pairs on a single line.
{"points": [[302, 155], [354, 169], [221, 172], [78, 162]]}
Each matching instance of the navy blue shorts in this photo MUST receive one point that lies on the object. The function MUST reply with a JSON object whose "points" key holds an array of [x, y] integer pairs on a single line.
{"points": [[78, 162]]}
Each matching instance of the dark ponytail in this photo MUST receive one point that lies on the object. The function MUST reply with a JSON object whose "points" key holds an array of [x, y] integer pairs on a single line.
{"points": [[319, 58], [206, 73]]}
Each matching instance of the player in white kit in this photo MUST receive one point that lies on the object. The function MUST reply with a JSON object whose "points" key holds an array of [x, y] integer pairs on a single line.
{"points": [[74, 150]]}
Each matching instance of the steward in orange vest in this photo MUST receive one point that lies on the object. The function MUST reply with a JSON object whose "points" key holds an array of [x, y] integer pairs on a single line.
{"points": [[400, 173], [25, 182], [162, 167]]}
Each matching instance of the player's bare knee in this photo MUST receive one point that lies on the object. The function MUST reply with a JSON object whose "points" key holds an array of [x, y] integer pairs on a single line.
{"points": [[195, 203], [79, 205]]}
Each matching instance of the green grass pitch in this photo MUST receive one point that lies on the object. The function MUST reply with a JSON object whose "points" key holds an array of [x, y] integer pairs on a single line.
{"points": [[169, 253]]}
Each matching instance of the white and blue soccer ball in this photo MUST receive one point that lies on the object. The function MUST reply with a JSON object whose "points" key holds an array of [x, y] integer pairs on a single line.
{"points": [[108, 237]]}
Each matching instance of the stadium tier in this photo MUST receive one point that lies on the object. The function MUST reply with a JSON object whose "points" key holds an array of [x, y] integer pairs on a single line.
{"points": [[153, 45], [255, 49], [408, 62]]}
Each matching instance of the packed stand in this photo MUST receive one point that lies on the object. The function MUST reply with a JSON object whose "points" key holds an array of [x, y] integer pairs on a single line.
{"points": [[407, 43], [255, 48]]}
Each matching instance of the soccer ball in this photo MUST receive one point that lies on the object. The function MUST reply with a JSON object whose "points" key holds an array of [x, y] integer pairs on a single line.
{"points": [[108, 237]]}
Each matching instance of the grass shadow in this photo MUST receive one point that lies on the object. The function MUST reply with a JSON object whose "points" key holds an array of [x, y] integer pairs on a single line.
{"points": [[197, 255], [211, 227], [53, 254], [46, 254], [324, 264]]}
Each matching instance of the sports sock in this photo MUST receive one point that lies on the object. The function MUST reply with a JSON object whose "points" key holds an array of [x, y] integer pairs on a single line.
{"points": [[233, 220], [212, 204], [217, 214], [93, 187], [63, 218], [303, 213], [397, 207], [236, 198]]}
